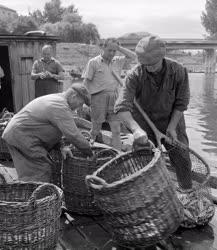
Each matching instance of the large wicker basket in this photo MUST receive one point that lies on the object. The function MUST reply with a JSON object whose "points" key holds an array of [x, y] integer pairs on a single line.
{"points": [[138, 198], [4, 152], [56, 158], [78, 198], [29, 215]]}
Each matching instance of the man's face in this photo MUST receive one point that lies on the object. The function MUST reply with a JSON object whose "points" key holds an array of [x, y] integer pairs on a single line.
{"points": [[75, 101], [152, 63], [109, 51], [46, 53]]}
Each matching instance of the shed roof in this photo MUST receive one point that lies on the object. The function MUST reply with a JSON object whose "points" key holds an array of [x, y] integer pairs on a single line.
{"points": [[6, 37]]}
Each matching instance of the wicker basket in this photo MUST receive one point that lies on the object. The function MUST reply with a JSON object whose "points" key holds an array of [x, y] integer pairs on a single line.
{"points": [[138, 198], [4, 152], [56, 157], [77, 197], [197, 203], [29, 215]]}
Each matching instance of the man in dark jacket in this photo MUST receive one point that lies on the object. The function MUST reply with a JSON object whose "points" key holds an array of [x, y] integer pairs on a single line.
{"points": [[161, 87]]}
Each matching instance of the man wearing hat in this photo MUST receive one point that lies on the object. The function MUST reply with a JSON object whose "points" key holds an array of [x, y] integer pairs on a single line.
{"points": [[39, 126], [161, 88]]}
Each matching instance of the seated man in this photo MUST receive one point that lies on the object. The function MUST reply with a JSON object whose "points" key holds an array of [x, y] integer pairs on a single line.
{"points": [[40, 125]]}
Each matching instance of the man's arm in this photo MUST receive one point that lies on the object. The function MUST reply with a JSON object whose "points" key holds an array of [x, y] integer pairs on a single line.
{"points": [[88, 74], [181, 102], [124, 107], [59, 70], [127, 118], [62, 117], [59, 76], [35, 74]]}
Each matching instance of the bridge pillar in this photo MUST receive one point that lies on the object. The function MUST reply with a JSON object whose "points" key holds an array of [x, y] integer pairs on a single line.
{"points": [[210, 61]]}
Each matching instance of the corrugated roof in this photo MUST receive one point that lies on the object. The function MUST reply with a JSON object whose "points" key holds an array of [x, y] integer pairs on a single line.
{"points": [[6, 8]]}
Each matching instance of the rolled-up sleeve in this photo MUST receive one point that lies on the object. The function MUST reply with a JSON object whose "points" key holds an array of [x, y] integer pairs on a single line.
{"points": [[127, 93], [182, 91], [35, 68], [89, 71], [59, 67]]}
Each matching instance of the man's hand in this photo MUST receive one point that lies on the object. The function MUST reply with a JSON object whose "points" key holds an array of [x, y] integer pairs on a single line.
{"points": [[66, 150], [42, 75], [87, 151], [140, 139], [171, 133]]}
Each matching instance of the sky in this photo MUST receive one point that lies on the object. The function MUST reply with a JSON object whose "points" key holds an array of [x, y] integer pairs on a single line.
{"points": [[114, 18]]}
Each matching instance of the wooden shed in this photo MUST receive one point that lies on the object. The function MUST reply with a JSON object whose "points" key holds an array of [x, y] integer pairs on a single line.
{"points": [[18, 53]]}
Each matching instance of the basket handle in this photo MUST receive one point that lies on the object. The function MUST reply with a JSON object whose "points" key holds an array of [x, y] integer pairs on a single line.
{"points": [[2, 177], [110, 150], [95, 182], [48, 186]]}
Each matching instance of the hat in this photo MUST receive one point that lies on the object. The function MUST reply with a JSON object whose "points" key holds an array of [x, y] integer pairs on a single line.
{"points": [[82, 91], [151, 48]]}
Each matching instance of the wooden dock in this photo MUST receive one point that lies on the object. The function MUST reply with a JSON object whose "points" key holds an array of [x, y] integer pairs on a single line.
{"points": [[90, 233]]}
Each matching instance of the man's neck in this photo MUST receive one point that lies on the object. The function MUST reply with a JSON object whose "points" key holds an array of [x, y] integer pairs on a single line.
{"points": [[106, 60]]}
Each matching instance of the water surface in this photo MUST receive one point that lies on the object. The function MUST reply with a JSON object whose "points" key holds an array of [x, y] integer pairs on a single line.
{"points": [[201, 116]]}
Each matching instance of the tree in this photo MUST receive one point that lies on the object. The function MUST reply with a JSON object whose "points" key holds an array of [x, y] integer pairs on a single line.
{"points": [[53, 11], [209, 17], [4, 27], [91, 34], [70, 9], [65, 23], [38, 17], [24, 24]]}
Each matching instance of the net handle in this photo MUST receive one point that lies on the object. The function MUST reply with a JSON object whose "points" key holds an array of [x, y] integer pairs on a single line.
{"points": [[159, 136], [95, 182], [41, 188]]}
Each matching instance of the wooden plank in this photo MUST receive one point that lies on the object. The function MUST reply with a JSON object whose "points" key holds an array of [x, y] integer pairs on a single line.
{"points": [[73, 238], [95, 234]]}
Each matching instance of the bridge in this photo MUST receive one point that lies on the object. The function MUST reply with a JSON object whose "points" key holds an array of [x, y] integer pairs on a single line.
{"points": [[210, 47]]}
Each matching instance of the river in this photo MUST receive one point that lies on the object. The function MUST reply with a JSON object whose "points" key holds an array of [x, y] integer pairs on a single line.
{"points": [[201, 117]]}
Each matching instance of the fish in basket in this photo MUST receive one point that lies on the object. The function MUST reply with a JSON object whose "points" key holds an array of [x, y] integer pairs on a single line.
{"points": [[29, 215], [138, 198], [78, 197]]}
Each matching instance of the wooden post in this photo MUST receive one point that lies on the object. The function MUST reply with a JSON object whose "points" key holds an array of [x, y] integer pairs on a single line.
{"points": [[210, 61]]}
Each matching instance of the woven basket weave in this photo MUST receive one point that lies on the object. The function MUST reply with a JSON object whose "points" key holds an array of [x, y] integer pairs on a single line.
{"points": [[138, 198], [77, 197], [29, 215], [4, 152], [56, 158]]}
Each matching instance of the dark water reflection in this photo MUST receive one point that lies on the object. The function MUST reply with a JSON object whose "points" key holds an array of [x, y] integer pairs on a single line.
{"points": [[201, 116]]}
